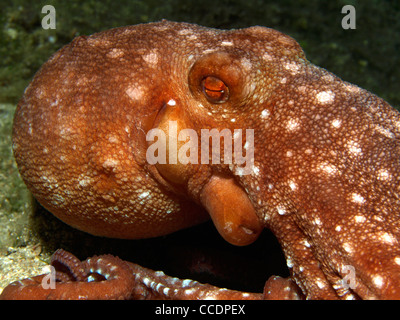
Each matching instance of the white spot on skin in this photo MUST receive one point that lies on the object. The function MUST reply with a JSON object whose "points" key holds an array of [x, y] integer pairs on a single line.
{"points": [[306, 243], [66, 132], [378, 281], [187, 283], [256, 170], [151, 58], [146, 282], [144, 195], [378, 218], [185, 32], [281, 211], [324, 97], [54, 103], [317, 221], [265, 114], [385, 132], [115, 53], [226, 43], [360, 219], [351, 87], [270, 186], [336, 123], [113, 139], [171, 102], [267, 57], [240, 171], [84, 182], [246, 64], [383, 175], [347, 247], [189, 291], [356, 198], [110, 163], [292, 125], [292, 67], [207, 51], [387, 238], [292, 185], [338, 228], [320, 284], [135, 93], [353, 147], [328, 168], [397, 260], [158, 287]]}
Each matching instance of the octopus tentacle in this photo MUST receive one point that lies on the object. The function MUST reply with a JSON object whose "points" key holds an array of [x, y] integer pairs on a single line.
{"points": [[278, 288], [117, 282], [156, 285], [69, 267], [26, 289], [99, 277], [108, 277]]}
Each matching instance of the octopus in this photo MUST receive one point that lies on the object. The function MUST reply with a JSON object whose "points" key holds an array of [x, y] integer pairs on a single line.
{"points": [[321, 168]]}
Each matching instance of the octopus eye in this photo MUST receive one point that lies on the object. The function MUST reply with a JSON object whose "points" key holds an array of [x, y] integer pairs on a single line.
{"points": [[215, 90]]}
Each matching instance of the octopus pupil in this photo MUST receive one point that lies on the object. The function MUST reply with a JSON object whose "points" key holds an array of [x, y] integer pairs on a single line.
{"points": [[215, 90]]}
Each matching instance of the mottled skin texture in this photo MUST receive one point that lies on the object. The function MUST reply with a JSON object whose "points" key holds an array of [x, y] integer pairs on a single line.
{"points": [[325, 177]]}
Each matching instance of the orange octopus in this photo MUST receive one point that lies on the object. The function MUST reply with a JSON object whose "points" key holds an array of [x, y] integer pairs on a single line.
{"points": [[324, 176]]}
